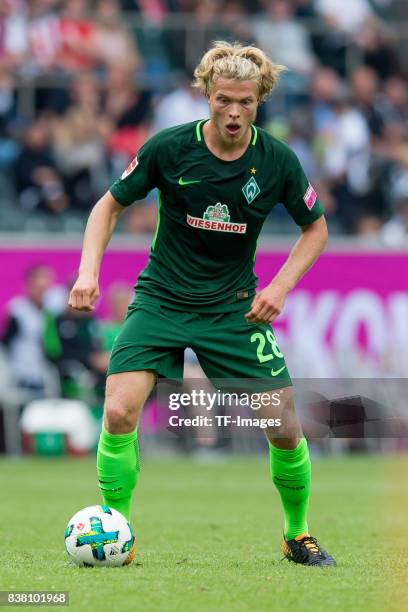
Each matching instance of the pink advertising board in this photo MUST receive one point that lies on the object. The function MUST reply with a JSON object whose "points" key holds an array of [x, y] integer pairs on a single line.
{"points": [[350, 309]]}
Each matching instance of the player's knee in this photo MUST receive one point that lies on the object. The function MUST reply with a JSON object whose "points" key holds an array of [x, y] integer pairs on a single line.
{"points": [[125, 396], [287, 435], [120, 411], [118, 417]]}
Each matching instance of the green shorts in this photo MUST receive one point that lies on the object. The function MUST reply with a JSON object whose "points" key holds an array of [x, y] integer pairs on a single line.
{"points": [[154, 337]]}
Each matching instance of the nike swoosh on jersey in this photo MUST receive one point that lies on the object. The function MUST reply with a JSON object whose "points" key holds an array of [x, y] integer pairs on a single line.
{"points": [[276, 372], [183, 182]]}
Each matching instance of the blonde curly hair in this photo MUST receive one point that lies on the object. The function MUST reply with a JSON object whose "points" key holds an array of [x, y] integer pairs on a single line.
{"points": [[234, 61]]}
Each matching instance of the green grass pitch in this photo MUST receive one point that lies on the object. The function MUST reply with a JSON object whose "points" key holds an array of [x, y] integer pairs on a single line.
{"points": [[208, 536]]}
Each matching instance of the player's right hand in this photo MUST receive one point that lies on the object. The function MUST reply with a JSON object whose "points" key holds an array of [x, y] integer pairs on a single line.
{"points": [[84, 294]]}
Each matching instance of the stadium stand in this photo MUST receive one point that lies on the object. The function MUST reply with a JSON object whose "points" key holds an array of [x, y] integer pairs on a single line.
{"points": [[83, 84]]}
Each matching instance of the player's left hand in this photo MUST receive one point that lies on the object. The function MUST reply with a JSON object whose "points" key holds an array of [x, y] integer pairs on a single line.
{"points": [[267, 304]]}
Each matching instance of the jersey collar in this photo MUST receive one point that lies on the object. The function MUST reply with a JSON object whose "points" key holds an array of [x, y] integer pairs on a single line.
{"points": [[199, 135]]}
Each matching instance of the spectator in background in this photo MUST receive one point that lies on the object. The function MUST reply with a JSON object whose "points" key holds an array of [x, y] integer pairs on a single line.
{"points": [[7, 97], [365, 92], [284, 38], [343, 142], [388, 168], [394, 233], [182, 104], [395, 149], [325, 84], [79, 138], [185, 45], [77, 50], [394, 100], [357, 22], [24, 328], [208, 20], [85, 93], [346, 160], [378, 46], [44, 44], [153, 10], [8, 146], [71, 341], [119, 296], [124, 102], [13, 34], [305, 8], [128, 109], [301, 140], [44, 34], [38, 182], [331, 48], [346, 16], [114, 46], [234, 18]]}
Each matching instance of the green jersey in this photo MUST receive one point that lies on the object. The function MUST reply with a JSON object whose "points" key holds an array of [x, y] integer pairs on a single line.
{"points": [[211, 212]]}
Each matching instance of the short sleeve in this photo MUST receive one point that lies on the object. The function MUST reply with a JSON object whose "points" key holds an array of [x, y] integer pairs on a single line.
{"points": [[298, 195], [138, 178]]}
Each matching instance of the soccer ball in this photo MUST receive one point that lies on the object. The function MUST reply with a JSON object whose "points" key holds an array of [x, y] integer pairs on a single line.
{"points": [[99, 536]]}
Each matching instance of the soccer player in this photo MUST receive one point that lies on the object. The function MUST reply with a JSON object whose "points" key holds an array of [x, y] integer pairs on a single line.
{"points": [[218, 180]]}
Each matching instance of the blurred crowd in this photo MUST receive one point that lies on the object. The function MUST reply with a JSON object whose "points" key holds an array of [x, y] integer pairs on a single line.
{"points": [[83, 84], [53, 350]]}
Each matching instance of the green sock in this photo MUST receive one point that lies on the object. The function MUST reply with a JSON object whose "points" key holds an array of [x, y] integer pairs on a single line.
{"points": [[291, 472], [118, 469]]}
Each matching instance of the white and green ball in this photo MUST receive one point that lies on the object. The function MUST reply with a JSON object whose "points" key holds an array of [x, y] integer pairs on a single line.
{"points": [[99, 536]]}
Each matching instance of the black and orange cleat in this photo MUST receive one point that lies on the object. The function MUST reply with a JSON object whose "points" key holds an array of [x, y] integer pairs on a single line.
{"points": [[306, 550], [131, 554]]}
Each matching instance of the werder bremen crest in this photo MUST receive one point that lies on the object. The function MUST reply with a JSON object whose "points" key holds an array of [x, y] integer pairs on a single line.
{"points": [[219, 212], [251, 190]]}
